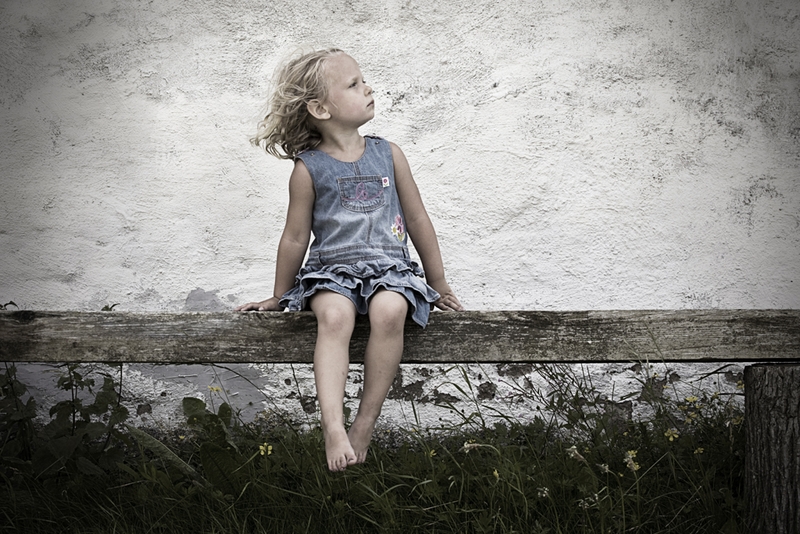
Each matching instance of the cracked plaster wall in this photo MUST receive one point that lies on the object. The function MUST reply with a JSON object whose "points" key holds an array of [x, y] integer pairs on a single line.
{"points": [[572, 155]]}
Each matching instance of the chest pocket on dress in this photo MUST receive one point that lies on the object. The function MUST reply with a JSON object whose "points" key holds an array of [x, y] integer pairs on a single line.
{"points": [[361, 193]]}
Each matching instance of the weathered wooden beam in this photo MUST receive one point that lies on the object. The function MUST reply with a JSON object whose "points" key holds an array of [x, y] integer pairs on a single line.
{"points": [[507, 336]]}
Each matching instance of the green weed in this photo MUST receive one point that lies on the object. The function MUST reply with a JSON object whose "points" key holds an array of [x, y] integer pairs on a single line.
{"points": [[578, 465]]}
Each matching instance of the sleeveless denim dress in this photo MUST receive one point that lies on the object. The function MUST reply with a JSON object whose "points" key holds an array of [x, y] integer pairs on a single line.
{"points": [[360, 242]]}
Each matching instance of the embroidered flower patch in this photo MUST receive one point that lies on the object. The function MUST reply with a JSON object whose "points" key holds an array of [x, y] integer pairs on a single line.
{"points": [[398, 229]]}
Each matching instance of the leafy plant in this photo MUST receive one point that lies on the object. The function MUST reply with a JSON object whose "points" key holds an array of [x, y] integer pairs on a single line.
{"points": [[82, 438], [17, 414]]}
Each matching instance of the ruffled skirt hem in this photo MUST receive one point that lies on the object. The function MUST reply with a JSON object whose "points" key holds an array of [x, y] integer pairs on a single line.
{"points": [[360, 281]]}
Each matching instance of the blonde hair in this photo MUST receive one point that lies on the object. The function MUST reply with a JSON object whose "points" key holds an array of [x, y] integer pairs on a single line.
{"points": [[286, 130]]}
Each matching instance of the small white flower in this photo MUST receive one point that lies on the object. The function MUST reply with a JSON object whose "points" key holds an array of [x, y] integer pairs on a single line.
{"points": [[470, 446], [575, 455], [588, 502]]}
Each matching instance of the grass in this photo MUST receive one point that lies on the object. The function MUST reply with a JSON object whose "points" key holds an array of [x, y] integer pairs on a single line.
{"points": [[576, 466]]}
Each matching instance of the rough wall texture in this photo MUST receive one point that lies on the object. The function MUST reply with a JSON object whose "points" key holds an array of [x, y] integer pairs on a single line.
{"points": [[573, 155]]}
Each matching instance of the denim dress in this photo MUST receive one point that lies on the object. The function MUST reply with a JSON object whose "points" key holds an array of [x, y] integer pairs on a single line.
{"points": [[360, 243]]}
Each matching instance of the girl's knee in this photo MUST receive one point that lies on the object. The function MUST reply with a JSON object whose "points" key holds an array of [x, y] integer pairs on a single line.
{"points": [[335, 320], [388, 311], [334, 312]]}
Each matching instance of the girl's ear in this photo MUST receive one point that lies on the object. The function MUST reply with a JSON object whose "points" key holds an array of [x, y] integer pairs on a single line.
{"points": [[318, 110]]}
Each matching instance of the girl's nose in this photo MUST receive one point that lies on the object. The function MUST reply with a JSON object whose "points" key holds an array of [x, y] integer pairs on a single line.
{"points": [[368, 89]]}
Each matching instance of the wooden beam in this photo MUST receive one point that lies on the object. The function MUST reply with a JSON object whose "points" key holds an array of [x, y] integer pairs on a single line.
{"points": [[506, 336]]}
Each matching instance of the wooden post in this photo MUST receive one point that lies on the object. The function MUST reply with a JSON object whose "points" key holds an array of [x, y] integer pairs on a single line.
{"points": [[772, 458]]}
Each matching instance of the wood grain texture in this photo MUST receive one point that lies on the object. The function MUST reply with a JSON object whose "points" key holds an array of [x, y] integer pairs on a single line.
{"points": [[506, 336]]}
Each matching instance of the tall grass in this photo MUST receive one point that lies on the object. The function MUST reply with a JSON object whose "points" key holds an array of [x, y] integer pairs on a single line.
{"points": [[577, 465]]}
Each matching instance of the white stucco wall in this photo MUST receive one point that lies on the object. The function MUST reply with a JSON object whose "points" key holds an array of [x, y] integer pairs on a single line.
{"points": [[572, 155]]}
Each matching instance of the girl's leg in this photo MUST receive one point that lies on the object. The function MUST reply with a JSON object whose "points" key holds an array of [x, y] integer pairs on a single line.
{"points": [[335, 320], [387, 318]]}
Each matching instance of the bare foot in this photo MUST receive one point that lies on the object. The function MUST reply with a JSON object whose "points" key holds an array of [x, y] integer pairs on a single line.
{"points": [[360, 435], [338, 450]]}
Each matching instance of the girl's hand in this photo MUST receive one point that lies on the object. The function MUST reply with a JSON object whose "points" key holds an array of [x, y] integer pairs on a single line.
{"points": [[271, 304], [448, 300]]}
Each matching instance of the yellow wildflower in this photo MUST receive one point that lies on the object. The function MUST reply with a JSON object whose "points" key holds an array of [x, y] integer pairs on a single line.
{"points": [[265, 449], [699, 450], [496, 475], [672, 433], [629, 463], [692, 399], [432, 453]]}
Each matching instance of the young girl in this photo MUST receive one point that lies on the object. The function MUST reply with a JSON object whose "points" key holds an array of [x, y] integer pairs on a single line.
{"points": [[356, 194]]}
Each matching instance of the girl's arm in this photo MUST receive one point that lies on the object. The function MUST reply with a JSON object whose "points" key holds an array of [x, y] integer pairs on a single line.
{"points": [[294, 240], [420, 230]]}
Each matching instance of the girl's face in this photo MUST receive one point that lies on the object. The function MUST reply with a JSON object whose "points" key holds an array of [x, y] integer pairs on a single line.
{"points": [[349, 99]]}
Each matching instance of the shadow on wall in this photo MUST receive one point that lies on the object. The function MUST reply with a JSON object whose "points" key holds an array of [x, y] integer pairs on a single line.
{"points": [[200, 300]]}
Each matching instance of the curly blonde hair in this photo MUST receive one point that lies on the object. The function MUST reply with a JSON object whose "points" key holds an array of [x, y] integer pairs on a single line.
{"points": [[286, 130]]}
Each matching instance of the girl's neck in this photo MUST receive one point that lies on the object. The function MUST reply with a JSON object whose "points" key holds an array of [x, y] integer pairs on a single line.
{"points": [[344, 147]]}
